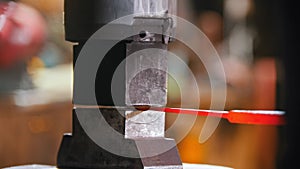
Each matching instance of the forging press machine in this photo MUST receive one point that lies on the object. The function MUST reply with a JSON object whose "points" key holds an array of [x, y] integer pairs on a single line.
{"points": [[112, 124], [120, 86]]}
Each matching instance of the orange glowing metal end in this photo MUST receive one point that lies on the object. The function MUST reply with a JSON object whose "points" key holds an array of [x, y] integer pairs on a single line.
{"points": [[258, 117]]}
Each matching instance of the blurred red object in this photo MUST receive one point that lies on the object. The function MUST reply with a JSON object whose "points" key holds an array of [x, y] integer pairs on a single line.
{"points": [[22, 33]]}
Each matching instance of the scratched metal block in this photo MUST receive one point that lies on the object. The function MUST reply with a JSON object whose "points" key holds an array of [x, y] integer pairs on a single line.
{"points": [[144, 124], [146, 74]]}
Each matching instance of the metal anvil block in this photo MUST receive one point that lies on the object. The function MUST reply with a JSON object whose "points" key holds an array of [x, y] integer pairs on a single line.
{"points": [[144, 124]]}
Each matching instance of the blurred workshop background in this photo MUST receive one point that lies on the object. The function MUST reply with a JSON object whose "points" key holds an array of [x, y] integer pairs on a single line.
{"points": [[36, 85]]}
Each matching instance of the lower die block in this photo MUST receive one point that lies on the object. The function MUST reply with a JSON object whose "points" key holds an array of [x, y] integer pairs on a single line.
{"points": [[144, 124]]}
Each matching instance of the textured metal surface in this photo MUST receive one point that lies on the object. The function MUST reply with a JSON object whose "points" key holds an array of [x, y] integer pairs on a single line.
{"points": [[146, 74], [142, 124]]}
